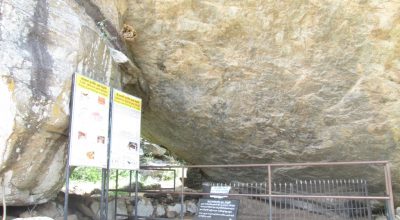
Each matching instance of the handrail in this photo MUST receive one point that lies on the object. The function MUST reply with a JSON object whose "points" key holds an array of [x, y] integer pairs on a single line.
{"points": [[271, 164]]}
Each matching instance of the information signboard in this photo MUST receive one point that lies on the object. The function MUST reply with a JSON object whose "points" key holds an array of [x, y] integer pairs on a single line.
{"points": [[217, 209], [89, 123], [125, 131], [220, 190]]}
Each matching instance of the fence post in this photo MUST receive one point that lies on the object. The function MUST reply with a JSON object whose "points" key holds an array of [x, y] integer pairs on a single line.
{"points": [[269, 191], [182, 189], [389, 191], [174, 180], [136, 193]]}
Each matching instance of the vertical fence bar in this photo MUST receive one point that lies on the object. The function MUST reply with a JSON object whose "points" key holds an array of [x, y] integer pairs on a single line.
{"points": [[368, 202], [322, 190], [365, 202], [346, 191], [358, 206], [298, 200], [350, 187], [284, 200], [182, 190], [341, 192], [334, 192], [269, 191], [280, 201], [174, 180], [291, 200], [116, 195], [328, 191], [274, 201], [136, 193], [357, 202], [258, 191], [102, 197], [312, 200], [317, 203], [352, 203], [386, 191], [66, 195], [301, 200], [389, 191], [265, 198], [306, 201], [251, 189]]}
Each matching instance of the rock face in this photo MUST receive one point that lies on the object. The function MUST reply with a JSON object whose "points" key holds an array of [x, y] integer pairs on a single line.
{"points": [[222, 81], [271, 81], [42, 44]]}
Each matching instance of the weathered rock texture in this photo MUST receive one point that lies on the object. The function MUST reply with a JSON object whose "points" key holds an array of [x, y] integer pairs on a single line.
{"points": [[222, 81], [42, 44], [271, 81]]}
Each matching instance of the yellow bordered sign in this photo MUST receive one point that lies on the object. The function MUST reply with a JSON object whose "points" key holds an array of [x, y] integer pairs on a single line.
{"points": [[92, 85], [127, 100]]}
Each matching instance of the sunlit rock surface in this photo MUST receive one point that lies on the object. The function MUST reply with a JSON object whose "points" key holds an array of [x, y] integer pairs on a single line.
{"points": [[271, 81], [221, 81], [42, 44]]}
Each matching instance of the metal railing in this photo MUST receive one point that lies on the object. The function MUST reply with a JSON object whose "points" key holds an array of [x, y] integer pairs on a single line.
{"points": [[297, 199], [295, 208]]}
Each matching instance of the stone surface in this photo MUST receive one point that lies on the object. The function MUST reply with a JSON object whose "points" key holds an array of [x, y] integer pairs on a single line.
{"points": [[153, 149], [175, 210], [50, 209], [42, 44], [160, 210], [121, 209], [279, 81], [221, 82], [144, 207], [191, 207]]}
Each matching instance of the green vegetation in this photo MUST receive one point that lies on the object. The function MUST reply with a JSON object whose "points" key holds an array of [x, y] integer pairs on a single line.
{"points": [[91, 174], [86, 174]]}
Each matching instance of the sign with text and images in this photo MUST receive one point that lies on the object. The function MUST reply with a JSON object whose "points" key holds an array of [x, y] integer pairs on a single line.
{"points": [[217, 209], [125, 131], [89, 123], [220, 190]]}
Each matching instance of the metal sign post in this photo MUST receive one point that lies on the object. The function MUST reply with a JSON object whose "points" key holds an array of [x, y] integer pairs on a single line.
{"points": [[67, 168], [106, 172], [89, 132], [136, 193]]}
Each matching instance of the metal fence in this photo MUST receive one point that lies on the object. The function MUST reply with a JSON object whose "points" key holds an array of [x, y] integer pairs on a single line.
{"points": [[296, 199], [296, 208]]}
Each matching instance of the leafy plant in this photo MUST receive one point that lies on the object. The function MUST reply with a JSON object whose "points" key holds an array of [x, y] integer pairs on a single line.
{"points": [[91, 174], [86, 174]]}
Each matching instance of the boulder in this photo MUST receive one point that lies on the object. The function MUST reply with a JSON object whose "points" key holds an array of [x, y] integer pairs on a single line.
{"points": [[121, 209], [191, 207], [153, 149], [42, 44], [222, 82], [278, 81], [160, 210], [175, 210], [144, 208]]}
